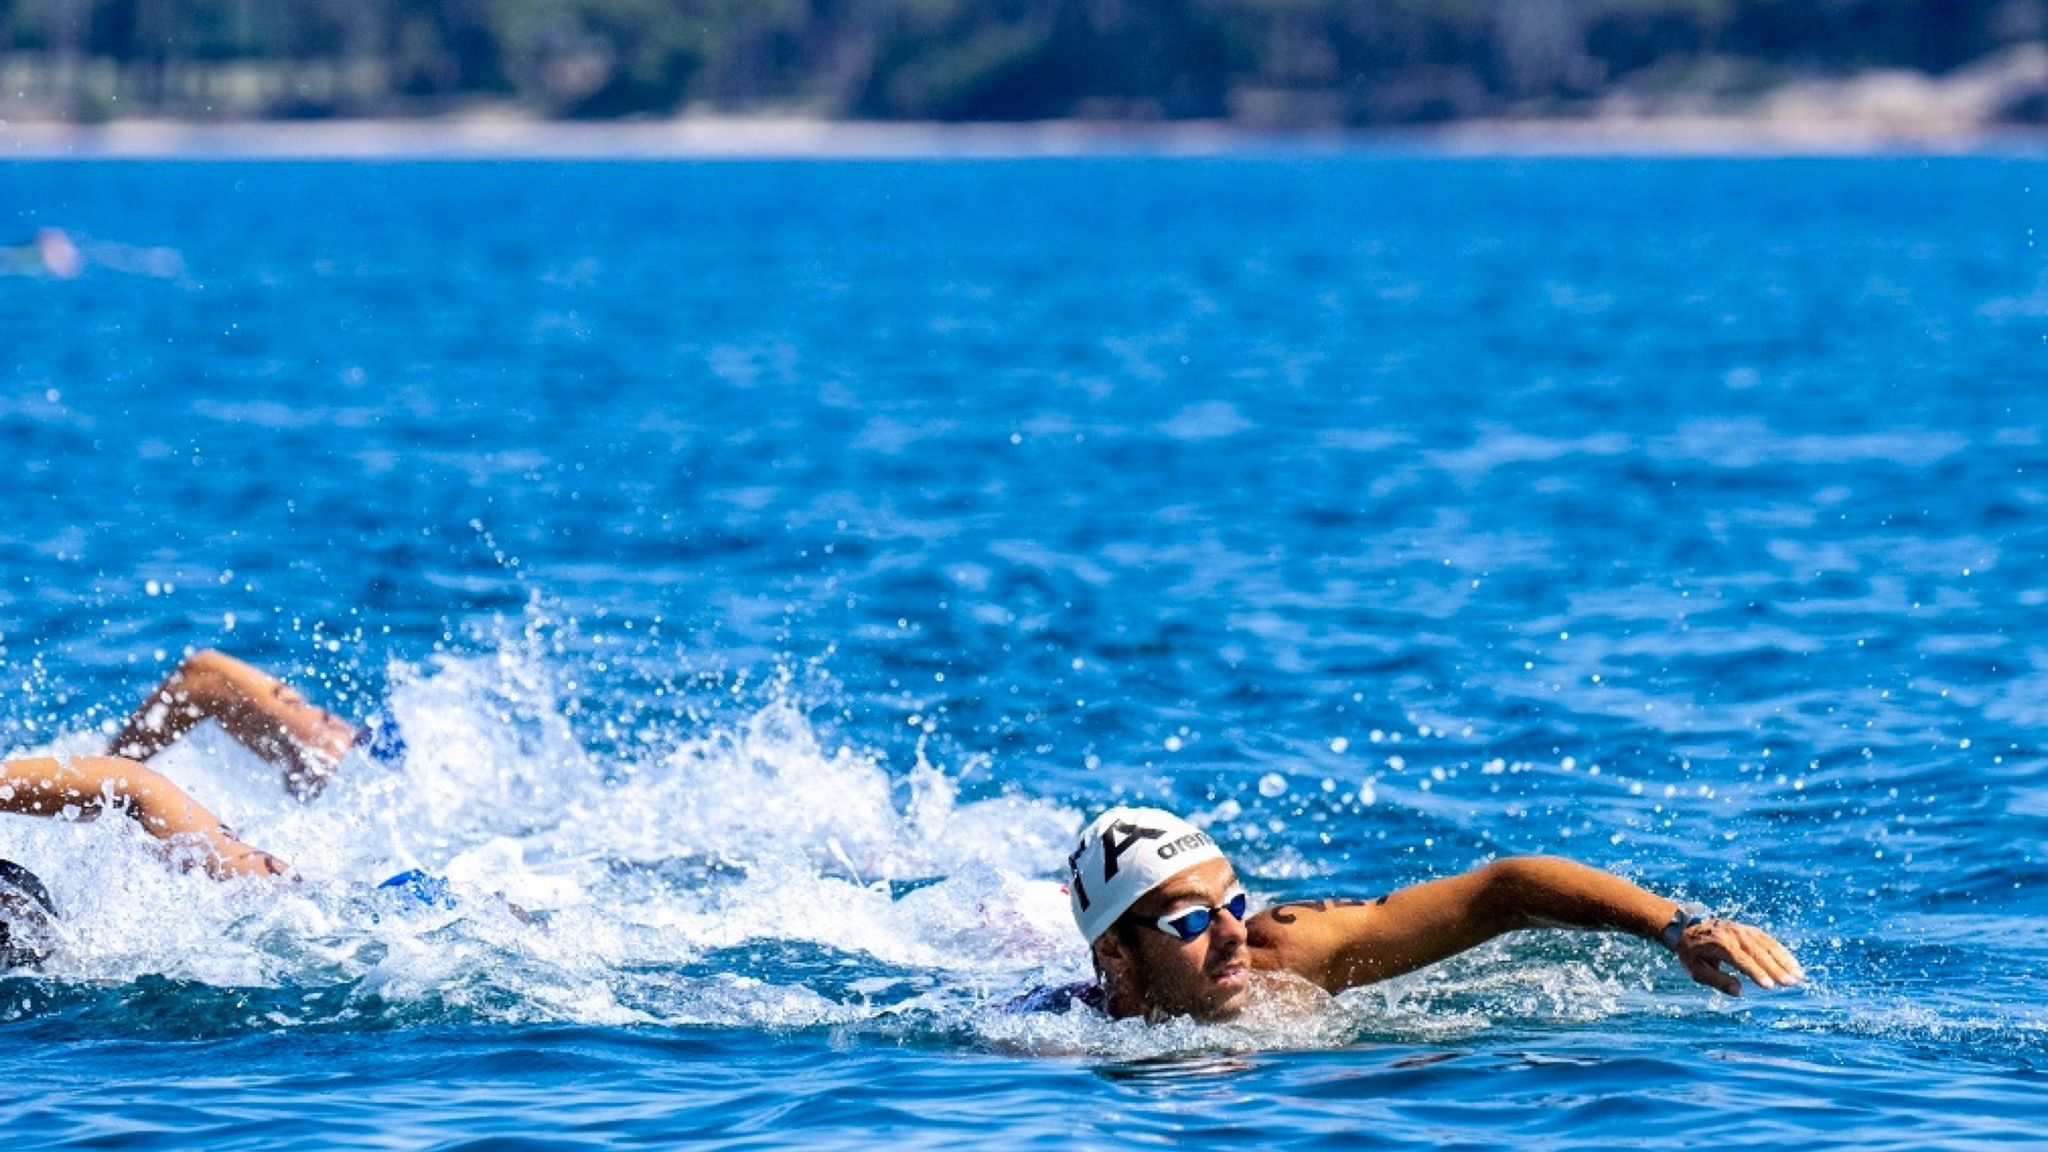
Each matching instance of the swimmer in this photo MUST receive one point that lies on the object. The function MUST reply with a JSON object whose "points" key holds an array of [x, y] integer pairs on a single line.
{"points": [[259, 711], [50, 254], [262, 713], [1172, 934], [84, 788]]}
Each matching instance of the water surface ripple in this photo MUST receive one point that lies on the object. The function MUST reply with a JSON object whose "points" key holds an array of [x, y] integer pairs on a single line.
{"points": [[773, 563]]}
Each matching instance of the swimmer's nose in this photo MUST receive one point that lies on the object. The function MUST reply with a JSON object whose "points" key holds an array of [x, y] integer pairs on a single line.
{"points": [[1227, 930]]}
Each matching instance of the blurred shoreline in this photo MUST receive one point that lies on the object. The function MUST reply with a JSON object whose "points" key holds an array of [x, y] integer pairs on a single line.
{"points": [[503, 134], [911, 78], [1873, 112], [1876, 113]]}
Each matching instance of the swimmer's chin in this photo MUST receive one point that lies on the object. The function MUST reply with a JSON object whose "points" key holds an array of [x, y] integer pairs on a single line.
{"points": [[1282, 996], [1256, 997]]}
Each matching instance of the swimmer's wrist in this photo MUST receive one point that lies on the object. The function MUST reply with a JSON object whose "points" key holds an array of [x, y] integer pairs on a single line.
{"points": [[1687, 915]]}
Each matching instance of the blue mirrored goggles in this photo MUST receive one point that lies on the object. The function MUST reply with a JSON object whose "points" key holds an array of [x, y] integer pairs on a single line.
{"points": [[1189, 923]]}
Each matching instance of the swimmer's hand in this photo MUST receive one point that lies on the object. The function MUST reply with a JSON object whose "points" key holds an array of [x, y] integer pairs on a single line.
{"points": [[227, 858], [1707, 945]]}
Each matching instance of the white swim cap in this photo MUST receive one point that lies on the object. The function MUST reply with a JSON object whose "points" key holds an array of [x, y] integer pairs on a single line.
{"points": [[1125, 853]]}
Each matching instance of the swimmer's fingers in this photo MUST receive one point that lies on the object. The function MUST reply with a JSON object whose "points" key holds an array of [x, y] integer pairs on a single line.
{"points": [[1761, 958], [1708, 971], [1750, 951], [254, 862], [230, 859], [1776, 957]]}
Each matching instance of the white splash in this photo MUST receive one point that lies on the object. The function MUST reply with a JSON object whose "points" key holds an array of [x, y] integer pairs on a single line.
{"points": [[741, 834]]}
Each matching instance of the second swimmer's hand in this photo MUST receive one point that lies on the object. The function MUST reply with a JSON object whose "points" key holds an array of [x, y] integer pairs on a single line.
{"points": [[1704, 947], [250, 862], [228, 858]]}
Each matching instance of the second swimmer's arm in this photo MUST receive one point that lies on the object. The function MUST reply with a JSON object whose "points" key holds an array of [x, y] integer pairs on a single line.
{"points": [[266, 715], [89, 785]]}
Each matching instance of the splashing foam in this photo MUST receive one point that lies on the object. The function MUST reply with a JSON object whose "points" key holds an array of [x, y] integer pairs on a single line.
{"points": [[748, 835]]}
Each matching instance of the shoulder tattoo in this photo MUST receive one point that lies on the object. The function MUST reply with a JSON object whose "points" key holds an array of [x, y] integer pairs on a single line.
{"points": [[1290, 911]]}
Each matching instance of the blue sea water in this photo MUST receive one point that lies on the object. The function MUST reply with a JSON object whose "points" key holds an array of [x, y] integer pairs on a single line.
{"points": [[772, 564]]}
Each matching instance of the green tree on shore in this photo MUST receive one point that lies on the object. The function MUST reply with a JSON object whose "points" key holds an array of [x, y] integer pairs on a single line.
{"points": [[1264, 61]]}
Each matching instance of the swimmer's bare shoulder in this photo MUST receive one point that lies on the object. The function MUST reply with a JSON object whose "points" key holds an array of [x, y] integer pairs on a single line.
{"points": [[1345, 943]]}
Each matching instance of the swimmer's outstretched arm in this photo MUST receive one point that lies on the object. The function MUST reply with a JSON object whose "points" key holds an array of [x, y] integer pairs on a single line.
{"points": [[1341, 944], [89, 785], [263, 713]]}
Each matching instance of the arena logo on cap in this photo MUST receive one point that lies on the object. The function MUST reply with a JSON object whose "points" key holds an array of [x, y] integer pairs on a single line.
{"points": [[1186, 843], [1112, 848]]}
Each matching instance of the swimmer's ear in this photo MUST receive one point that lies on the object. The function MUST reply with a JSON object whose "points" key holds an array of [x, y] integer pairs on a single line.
{"points": [[1112, 962]]}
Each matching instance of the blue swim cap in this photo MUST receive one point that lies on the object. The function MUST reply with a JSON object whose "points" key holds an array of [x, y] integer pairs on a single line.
{"points": [[431, 891], [380, 737]]}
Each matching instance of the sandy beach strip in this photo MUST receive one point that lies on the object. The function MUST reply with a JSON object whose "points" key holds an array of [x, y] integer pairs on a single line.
{"points": [[513, 137]]}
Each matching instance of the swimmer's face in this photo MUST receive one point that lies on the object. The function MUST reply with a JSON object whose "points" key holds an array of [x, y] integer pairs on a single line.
{"points": [[1208, 977]]}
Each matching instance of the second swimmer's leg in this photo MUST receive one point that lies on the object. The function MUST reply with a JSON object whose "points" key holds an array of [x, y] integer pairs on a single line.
{"points": [[263, 713]]}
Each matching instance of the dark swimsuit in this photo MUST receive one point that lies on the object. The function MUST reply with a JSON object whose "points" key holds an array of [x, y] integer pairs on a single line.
{"points": [[18, 881], [1062, 998]]}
